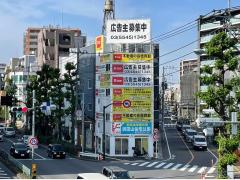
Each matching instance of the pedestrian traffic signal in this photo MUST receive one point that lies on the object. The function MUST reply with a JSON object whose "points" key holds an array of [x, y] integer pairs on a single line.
{"points": [[34, 171]]}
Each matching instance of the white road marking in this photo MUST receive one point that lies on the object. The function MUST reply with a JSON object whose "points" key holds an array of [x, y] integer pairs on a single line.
{"points": [[202, 170], [168, 166], [143, 164], [36, 159], [5, 177], [4, 174], [134, 164], [184, 167], [176, 167], [39, 155], [152, 164], [211, 170], [160, 165], [192, 168], [126, 163]]}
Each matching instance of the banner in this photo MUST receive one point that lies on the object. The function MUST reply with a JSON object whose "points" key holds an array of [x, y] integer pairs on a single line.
{"points": [[136, 128], [128, 31], [132, 57], [99, 44], [131, 68], [133, 94]]}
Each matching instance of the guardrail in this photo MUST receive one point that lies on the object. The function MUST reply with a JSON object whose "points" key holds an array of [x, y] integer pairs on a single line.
{"points": [[10, 160]]}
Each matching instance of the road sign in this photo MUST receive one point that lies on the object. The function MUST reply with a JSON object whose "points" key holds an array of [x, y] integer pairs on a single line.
{"points": [[33, 141], [127, 103]]}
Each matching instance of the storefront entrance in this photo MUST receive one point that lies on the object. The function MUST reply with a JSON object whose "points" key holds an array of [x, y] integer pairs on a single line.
{"points": [[141, 145]]}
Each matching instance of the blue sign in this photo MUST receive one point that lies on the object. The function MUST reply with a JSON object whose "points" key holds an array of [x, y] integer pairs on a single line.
{"points": [[136, 128]]}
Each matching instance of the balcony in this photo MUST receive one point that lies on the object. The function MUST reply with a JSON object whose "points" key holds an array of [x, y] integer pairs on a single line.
{"points": [[209, 26]]}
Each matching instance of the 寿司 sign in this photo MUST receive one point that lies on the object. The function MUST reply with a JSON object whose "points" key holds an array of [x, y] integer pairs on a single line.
{"points": [[128, 31]]}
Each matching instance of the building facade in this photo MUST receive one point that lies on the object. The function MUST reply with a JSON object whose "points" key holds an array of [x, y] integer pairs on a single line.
{"points": [[30, 41], [208, 26], [188, 88], [125, 82], [187, 66], [54, 43], [2, 75]]}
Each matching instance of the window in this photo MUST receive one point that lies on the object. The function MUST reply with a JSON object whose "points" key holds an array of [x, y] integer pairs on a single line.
{"points": [[107, 117], [108, 92], [121, 146], [90, 107], [108, 67], [107, 144], [89, 84]]}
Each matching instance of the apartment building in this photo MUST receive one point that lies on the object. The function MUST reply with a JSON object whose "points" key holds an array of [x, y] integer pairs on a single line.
{"points": [[188, 65], [54, 43], [30, 41], [209, 26]]}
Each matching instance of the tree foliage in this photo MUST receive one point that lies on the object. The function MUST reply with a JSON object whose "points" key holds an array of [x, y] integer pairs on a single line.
{"points": [[222, 82]]}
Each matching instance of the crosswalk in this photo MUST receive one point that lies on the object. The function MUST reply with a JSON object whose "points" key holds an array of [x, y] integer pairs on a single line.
{"points": [[174, 166], [3, 174]]}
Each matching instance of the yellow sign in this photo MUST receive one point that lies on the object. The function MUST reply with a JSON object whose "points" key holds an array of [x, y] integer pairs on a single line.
{"points": [[99, 44], [132, 117], [105, 80], [105, 58], [132, 57], [132, 94]]}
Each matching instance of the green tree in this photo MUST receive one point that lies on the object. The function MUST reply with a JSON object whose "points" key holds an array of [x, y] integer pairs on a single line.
{"points": [[11, 90], [57, 96], [70, 84], [221, 79]]}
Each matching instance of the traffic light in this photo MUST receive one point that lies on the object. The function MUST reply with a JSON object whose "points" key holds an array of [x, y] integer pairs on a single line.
{"points": [[34, 171], [19, 109]]}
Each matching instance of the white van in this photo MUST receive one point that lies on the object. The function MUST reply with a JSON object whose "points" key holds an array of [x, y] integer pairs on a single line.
{"points": [[91, 176]]}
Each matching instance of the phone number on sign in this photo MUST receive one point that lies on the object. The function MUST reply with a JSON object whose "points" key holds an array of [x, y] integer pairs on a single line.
{"points": [[129, 37]]}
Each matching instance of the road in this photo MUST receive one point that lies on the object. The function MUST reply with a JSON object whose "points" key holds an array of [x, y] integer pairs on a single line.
{"points": [[184, 163]]}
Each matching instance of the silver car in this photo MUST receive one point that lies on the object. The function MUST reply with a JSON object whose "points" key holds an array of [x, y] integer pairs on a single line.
{"points": [[9, 132], [189, 134]]}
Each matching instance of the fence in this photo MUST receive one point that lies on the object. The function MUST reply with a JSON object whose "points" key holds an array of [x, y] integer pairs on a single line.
{"points": [[8, 160]]}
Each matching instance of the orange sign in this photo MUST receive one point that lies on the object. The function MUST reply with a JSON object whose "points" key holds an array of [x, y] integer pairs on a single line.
{"points": [[99, 44]]}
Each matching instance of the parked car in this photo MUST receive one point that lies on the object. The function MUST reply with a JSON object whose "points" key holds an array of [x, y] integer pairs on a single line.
{"points": [[9, 132], [19, 150], [1, 137], [90, 176], [201, 133], [184, 127], [25, 139], [179, 126], [199, 142], [115, 172], [56, 151], [189, 133]]}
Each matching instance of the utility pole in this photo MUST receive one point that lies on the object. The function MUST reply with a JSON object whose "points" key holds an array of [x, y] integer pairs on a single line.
{"points": [[163, 92], [33, 120], [83, 122]]}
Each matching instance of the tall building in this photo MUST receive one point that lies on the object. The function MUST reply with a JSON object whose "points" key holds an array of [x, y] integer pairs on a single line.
{"points": [[126, 74], [30, 39], [188, 88], [54, 43], [2, 75], [187, 66], [210, 25]]}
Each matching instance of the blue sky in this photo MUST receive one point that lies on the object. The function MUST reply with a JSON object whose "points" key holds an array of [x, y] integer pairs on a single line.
{"points": [[165, 15]]}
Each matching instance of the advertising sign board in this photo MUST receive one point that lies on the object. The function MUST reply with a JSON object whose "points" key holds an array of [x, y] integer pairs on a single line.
{"points": [[128, 31]]}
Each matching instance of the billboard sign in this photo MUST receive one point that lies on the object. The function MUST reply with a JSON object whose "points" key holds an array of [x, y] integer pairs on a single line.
{"points": [[132, 81], [132, 57], [131, 68], [128, 31], [137, 128]]}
